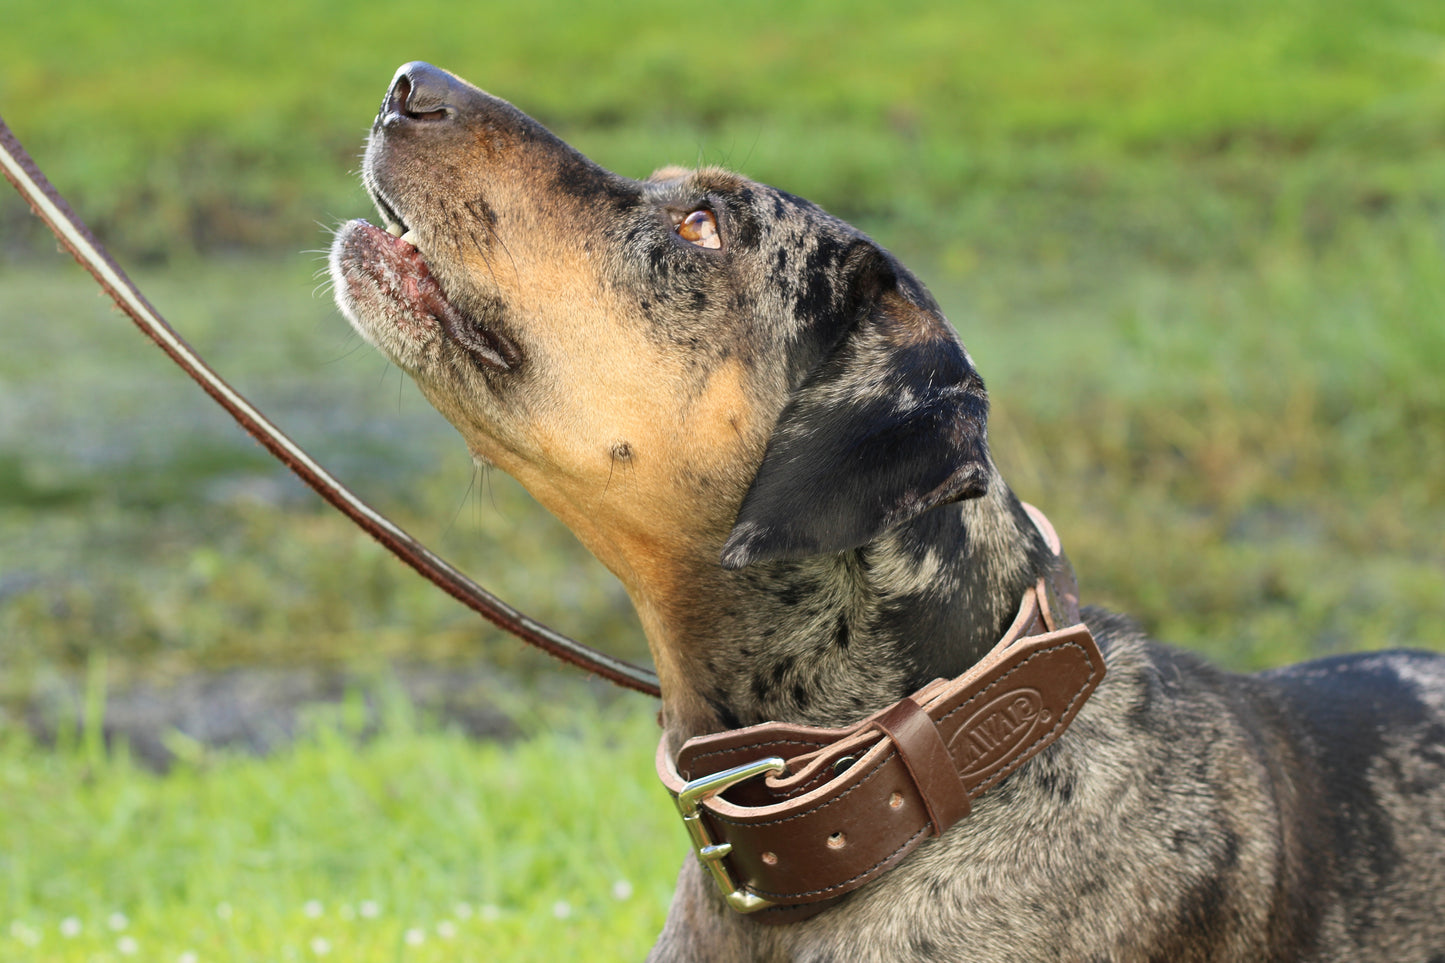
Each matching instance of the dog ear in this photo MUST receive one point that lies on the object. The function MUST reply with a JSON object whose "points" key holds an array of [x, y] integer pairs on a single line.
{"points": [[890, 424]]}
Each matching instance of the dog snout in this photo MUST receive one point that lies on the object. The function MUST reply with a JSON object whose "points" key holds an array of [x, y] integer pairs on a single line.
{"points": [[419, 93]]}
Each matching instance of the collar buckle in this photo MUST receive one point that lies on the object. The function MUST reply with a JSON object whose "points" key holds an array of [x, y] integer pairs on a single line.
{"points": [[710, 852]]}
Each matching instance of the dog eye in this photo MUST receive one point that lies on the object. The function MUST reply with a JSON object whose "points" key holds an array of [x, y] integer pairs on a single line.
{"points": [[700, 228]]}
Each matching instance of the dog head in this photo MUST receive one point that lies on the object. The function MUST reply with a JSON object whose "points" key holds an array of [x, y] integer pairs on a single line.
{"points": [[692, 370]]}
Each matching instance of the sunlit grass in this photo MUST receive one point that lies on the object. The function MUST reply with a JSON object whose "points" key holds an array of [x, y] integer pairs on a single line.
{"points": [[173, 129], [416, 844]]}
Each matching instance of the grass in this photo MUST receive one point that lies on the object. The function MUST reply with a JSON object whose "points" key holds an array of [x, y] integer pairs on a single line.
{"points": [[416, 845], [172, 129], [1261, 490], [1198, 251]]}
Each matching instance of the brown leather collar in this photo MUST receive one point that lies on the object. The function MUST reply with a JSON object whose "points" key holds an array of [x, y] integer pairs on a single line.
{"points": [[840, 807]]}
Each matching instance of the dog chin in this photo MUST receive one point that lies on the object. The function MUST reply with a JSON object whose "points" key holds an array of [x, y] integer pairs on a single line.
{"points": [[379, 279], [402, 303]]}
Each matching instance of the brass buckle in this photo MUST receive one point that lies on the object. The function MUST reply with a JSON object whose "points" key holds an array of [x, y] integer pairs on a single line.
{"points": [[710, 852]]}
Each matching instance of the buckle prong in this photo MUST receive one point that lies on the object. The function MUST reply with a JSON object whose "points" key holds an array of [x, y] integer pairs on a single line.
{"points": [[710, 852]]}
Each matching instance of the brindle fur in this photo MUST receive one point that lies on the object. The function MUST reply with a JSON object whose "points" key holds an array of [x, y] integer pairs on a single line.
{"points": [[779, 448]]}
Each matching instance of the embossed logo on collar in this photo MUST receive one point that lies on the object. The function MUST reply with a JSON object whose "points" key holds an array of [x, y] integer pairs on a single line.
{"points": [[990, 735]]}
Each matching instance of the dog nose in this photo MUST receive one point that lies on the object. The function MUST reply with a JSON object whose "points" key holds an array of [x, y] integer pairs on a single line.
{"points": [[419, 92]]}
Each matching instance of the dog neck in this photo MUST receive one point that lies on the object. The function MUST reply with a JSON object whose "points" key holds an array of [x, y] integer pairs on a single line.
{"points": [[830, 639]]}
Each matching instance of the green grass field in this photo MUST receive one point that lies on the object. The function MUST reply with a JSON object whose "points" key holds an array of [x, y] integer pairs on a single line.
{"points": [[416, 845], [1197, 250]]}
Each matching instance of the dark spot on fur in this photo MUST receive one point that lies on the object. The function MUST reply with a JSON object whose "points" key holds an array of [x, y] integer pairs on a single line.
{"points": [[1229, 854], [585, 179], [483, 212], [793, 593], [802, 698], [841, 638], [760, 687], [923, 948], [815, 302], [1056, 784], [1200, 917], [745, 231], [1325, 701], [718, 703]]}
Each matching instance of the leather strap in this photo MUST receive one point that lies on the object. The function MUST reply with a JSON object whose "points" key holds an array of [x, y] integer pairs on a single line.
{"points": [[853, 802], [930, 765]]}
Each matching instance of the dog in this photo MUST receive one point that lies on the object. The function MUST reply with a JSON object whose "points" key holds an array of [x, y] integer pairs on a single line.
{"points": [[761, 422]]}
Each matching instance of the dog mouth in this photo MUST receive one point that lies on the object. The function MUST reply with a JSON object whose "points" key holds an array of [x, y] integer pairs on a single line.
{"points": [[386, 269]]}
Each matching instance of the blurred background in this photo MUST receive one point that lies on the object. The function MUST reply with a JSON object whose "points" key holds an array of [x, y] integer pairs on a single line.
{"points": [[1196, 248]]}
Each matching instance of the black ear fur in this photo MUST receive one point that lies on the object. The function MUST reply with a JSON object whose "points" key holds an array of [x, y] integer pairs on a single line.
{"points": [[891, 424]]}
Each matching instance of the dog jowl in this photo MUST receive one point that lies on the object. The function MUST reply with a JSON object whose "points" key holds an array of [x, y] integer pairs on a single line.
{"points": [[761, 422]]}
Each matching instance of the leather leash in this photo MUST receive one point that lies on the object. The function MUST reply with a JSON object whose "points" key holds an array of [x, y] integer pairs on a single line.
{"points": [[51, 208], [840, 807]]}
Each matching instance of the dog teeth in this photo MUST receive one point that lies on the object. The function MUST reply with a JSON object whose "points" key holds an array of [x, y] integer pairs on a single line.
{"points": [[410, 238], [394, 229]]}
